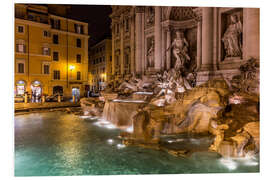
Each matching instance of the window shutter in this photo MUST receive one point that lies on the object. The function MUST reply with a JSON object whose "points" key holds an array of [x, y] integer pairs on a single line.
{"points": [[82, 32], [59, 24], [75, 28]]}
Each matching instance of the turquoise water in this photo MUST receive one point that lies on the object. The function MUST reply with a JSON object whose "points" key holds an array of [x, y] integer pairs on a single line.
{"points": [[61, 144]]}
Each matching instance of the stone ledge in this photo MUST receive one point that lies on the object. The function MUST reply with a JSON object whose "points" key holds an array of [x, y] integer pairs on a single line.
{"points": [[48, 105]]}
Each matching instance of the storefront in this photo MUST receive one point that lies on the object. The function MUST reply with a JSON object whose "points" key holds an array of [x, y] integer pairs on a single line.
{"points": [[20, 87], [36, 89], [76, 93]]}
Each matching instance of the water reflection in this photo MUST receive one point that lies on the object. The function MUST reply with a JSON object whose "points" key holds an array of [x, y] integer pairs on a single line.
{"points": [[56, 143]]}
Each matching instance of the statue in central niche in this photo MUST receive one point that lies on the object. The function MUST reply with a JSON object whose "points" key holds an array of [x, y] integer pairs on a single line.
{"points": [[180, 50], [151, 54]]}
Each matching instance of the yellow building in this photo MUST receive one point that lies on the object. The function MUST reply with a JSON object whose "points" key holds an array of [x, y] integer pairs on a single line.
{"points": [[100, 65], [51, 53]]}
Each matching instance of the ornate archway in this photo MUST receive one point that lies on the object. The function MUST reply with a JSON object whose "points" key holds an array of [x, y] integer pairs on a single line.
{"points": [[179, 13]]}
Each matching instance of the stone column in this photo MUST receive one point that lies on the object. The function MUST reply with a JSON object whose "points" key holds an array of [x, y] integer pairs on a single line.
{"points": [[199, 44], [207, 39], [122, 45], [113, 48], [138, 30], [163, 49], [143, 61], [158, 38], [132, 43], [251, 33], [168, 52]]}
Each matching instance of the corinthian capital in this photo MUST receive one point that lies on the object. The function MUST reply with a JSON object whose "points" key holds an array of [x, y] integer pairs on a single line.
{"points": [[139, 9]]}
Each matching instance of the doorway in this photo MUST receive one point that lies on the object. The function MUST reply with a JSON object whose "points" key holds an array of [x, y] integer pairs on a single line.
{"points": [[76, 93], [36, 91], [20, 88]]}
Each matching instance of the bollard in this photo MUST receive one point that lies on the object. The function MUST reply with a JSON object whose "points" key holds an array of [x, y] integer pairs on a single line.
{"points": [[25, 98], [59, 98], [43, 99], [73, 98]]}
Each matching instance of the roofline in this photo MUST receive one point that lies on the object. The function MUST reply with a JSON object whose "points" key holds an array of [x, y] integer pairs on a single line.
{"points": [[100, 42], [69, 19]]}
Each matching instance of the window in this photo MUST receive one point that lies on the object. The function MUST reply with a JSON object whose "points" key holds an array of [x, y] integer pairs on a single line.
{"points": [[21, 29], [46, 69], [20, 48], [55, 23], [110, 58], [46, 51], [79, 43], [55, 39], [55, 56], [78, 58], [56, 74], [78, 28], [46, 34], [78, 75], [20, 67]]}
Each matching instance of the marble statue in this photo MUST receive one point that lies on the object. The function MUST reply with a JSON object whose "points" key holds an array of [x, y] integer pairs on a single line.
{"points": [[150, 16], [151, 54], [218, 131], [232, 38], [180, 50]]}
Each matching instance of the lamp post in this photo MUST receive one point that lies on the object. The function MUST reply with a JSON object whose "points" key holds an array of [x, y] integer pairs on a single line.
{"points": [[103, 79], [71, 67]]}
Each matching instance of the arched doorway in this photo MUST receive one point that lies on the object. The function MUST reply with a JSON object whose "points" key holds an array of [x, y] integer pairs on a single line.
{"points": [[58, 90], [36, 91], [20, 87]]}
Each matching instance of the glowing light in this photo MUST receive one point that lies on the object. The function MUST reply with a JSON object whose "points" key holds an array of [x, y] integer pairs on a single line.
{"points": [[147, 93], [179, 140], [170, 141], [104, 124], [120, 146], [251, 163], [229, 163], [85, 117], [110, 141], [103, 75], [195, 141], [129, 129], [71, 67], [134, 101]]}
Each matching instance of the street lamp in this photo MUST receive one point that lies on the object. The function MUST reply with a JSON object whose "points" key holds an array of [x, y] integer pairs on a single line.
{"points": [[71, 67]]}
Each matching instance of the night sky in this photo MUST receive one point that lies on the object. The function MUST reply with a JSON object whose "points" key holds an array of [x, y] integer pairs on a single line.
{"points": [[97, 17]]}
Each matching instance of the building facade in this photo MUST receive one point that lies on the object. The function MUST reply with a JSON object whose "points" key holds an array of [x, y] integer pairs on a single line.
{"points": [[51, 53], [100, 65], [211, 41]]}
